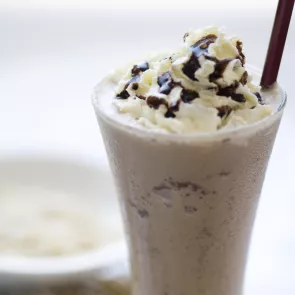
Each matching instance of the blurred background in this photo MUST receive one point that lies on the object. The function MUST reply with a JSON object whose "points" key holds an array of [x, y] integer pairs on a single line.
{"points": [[53, 52]]}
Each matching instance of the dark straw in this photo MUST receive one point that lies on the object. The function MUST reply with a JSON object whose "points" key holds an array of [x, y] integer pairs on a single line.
{"points": [[277, 43]]}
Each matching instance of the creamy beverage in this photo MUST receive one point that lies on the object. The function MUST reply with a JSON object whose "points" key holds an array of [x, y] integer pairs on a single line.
{"points": [[188, 135]]}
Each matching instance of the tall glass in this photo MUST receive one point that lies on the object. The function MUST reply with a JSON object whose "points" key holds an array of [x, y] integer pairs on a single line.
{"points": [[188, 201]]}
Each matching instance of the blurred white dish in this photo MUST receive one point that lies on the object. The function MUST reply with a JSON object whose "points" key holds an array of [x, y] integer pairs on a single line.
{"points": [[94, 187]]}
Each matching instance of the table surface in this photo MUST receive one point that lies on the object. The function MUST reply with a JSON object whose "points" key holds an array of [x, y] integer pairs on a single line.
{"points": [[52, 58]]}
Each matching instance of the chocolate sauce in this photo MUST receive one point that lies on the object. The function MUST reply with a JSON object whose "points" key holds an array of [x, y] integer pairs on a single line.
{"points": [[166, 83], [201, 46], [135, 86], [228, 91], [155, 102], [191, 67], [198, 49], [123, 95], [175, 106], [137, 69], [244, 78], [172, 109], [238, 97], [219, 69], [258, 95], [170, 114], [224, 111], [188, 95], [241, 55]]}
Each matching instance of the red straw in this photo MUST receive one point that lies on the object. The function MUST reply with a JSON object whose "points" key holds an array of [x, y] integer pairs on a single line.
{"points": [[277, 43]]}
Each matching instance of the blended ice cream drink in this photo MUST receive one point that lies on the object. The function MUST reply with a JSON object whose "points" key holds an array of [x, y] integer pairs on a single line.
{"points": [[189, 135]]}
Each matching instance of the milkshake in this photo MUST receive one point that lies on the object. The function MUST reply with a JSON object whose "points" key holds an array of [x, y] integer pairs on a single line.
{"points": [[188, 135]]}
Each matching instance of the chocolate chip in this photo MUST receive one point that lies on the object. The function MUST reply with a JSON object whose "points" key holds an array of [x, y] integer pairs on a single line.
{"points": [[139, 68], [155, 102], [224, 111], [141, 97], [188, 95], [166, 83], [238, 97], [241, 55], [244, 78], [123, 95], [135, 86]]}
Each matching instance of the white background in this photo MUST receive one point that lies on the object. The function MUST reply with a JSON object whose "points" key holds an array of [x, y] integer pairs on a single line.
{"points": [[52, 53], [154, 4]]}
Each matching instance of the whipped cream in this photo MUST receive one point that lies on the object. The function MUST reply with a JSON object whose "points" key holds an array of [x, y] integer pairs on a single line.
{"points": [[201, 87]]}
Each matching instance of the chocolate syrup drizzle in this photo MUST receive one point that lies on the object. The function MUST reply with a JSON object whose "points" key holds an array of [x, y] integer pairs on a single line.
{"points": [[135, 75], [198, 49], [201, 48], [224, 111], [166, 82]]}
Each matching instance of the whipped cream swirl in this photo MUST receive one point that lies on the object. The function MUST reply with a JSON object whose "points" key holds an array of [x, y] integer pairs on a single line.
{"points": [[201, 87]]}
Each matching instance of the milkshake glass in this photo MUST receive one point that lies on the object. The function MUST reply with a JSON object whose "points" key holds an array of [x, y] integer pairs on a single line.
{"points": [[188, 201]]}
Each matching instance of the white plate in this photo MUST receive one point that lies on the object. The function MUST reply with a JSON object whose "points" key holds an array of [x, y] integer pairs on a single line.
{"points": [[92, 183]]}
